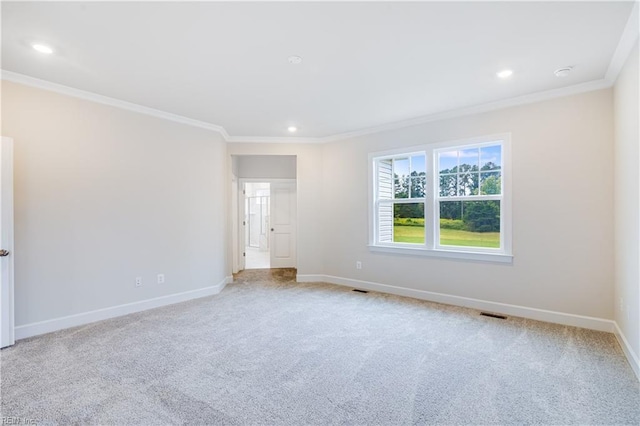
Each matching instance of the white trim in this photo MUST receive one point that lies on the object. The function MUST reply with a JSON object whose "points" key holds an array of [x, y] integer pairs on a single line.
{"points": [[626, 43], [446, 254], [459, 112], [431, 246], [633, 359], [588, 86], [272, 139], [48, 326], [573, 320], [311, 278], [7, 293], [268, 180], [105, 100]]}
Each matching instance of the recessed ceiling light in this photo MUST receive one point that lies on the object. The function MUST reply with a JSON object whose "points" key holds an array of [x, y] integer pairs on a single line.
{"points": [[563, 72], [292, 129], [42, 48], [505, 73], [295, 60]]}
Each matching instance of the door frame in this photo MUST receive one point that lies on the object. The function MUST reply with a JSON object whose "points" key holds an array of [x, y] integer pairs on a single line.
{"points": [[7, 321], [240, 231]]}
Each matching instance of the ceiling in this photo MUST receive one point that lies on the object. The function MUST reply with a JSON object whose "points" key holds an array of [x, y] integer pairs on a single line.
{"points": [[364, 64]]}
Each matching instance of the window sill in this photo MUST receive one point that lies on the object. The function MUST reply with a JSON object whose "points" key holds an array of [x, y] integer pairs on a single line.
{"points": [[446, 254]]}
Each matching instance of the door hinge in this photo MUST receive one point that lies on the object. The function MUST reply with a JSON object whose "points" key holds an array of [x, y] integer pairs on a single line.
{"points": [[244, 223], [244, 254], [244, 192]]}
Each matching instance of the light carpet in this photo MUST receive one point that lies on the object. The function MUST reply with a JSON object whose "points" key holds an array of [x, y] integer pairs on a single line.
{"points": [[268, 350]]}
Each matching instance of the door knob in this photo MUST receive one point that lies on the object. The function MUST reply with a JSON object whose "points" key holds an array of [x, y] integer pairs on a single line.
{"points": [[4, 253], [271, 229]]}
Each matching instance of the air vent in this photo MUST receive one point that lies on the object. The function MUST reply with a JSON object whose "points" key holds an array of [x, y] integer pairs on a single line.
{"points": [[360, 291], [488, 314]]}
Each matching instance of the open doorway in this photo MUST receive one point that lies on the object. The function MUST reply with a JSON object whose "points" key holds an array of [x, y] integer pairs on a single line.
{"points": [[257, 213], [263, 212], [268, 212]]}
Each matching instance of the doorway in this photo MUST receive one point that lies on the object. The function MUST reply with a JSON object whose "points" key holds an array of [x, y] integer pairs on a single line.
{"points": [[7, 333], [267, 213], [257, 213]]}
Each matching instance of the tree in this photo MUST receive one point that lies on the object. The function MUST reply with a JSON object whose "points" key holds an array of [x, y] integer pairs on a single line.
{"points": [[490, 166], [451, 210], [401, 187], [467, 179], [491, 185], [418, 183], [414, 183], [482, 216], [412, 210]]}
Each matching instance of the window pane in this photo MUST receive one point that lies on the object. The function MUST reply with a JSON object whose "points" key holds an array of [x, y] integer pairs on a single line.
{"points": [[451, 210], [408, 223], [400, 167], [470, 223], [418, 165], [491, 157], [448, 185], [448, 162], [491, 183], [418, 185], [418, 176], [468, 159], [467, 181], [401, 188]]}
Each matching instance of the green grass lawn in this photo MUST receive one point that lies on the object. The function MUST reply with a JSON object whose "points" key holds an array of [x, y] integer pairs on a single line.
{"points": [[448, 237]]}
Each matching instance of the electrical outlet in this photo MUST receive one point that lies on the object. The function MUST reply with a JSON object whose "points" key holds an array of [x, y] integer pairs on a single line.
{"points": [[160, 278], [138, 281], [621, 304], [358, 265]]}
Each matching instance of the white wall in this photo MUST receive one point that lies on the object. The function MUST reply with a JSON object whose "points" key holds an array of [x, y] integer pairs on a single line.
{"points": [[562, 153], [267, 166], [627, 201], [104, 195], [308, 160]]}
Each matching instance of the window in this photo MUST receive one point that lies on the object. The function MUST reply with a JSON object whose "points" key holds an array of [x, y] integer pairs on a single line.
{"points": [[401, 198], [449, 199]]}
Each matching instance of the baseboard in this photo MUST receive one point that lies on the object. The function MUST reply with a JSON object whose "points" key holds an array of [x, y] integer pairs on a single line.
{"points": [[483, 305], [48, 326], [632, 357], [311, 278]]}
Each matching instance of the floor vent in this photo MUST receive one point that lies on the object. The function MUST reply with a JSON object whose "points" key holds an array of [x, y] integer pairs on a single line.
{"points": [[360, 291], [487, 314]]}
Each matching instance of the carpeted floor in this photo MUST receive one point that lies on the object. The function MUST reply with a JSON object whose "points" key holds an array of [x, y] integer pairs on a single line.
{"points": [[271, 351]]}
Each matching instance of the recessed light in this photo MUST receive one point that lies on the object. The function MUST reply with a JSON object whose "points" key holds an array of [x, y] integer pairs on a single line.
{"points": [[563, 72], [292, 129], [42, 48], [505, 73], [295, 60]]}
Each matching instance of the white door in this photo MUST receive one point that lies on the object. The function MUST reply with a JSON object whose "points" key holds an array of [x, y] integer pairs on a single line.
{"points": [[7, 337], [283, 225]]}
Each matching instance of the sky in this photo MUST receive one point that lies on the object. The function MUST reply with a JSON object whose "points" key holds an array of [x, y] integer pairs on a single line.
{"points": [[449, 159], [471, 156]]}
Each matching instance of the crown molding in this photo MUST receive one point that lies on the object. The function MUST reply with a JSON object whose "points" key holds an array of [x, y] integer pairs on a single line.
{"points": [[627, 41], [460, 112], [105, 100], [478, 109], [272, 139], [455, 113]]}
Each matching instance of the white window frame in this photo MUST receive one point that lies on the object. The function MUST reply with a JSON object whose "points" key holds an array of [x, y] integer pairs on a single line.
{"points": [[393, 201], [431, 247]]}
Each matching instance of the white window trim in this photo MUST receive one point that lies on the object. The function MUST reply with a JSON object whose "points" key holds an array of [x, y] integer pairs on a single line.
{"points": [[431, 248]]}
